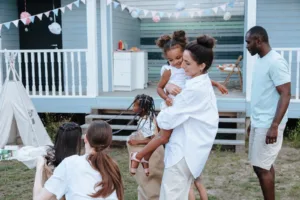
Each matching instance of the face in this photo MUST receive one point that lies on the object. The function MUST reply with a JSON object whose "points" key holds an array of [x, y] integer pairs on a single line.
{"points": [[253, 44], [136, 107], [190, 66], [174, 56]]}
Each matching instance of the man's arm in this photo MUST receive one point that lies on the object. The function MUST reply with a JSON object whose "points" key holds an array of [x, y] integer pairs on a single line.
{"points": [[282, 106]]}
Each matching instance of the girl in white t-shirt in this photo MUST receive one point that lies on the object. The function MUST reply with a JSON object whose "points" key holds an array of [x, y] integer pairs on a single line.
{"points": [[91, 176]]}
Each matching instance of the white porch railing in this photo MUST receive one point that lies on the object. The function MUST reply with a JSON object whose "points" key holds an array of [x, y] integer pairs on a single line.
{"points": [[49, 73], [292, 56]]}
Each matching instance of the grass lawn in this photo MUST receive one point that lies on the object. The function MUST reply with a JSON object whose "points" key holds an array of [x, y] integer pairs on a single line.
{"points": [[227, 176]]}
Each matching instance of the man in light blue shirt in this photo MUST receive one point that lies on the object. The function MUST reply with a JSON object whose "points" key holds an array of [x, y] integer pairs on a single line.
{"points": [[270, 97]]}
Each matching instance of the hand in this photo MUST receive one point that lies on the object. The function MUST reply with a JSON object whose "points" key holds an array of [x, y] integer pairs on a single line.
{"points": [[169, 101], [222, 89], [173, 89], [133, 142], [272, 134]]}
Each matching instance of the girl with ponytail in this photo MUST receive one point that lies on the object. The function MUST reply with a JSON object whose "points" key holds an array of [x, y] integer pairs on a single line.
{"points": [[91, 176]]}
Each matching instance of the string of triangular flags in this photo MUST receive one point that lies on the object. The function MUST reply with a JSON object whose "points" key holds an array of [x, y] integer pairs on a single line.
{"points": [[139, 12], [31, 19]]}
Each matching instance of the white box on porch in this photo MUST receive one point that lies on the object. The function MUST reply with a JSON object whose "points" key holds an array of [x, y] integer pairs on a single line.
{"points": [[130, 70]]}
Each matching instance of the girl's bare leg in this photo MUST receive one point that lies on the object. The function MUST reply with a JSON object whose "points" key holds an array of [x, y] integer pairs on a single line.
{"points": [[201, 189]]}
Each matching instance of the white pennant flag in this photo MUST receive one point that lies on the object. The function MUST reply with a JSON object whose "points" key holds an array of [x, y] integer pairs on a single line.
{"points": [[153, 13], [199, 13], [24, 20], [0, 27], [169, 15], [83, 1], [215, 9], [40, 16], [223, 7], [109, 2], [47, 13], [123, 6], [16, 23], [130, 9], [146, 12], [192, 14], [70, 6], [177, 14], [62, 9]]}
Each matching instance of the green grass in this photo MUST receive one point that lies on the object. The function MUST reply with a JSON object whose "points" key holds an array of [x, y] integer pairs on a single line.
{"points": [[227, 176]]}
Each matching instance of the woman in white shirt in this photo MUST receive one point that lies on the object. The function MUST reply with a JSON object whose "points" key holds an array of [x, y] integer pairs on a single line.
{"points": [[91, 176], [194, 120]]}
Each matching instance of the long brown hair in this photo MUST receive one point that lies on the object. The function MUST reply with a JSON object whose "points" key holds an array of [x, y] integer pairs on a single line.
{"points": [[99, 136]]}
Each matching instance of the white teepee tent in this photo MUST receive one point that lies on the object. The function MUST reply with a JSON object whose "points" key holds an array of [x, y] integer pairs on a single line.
{"points": [[17, 113]]}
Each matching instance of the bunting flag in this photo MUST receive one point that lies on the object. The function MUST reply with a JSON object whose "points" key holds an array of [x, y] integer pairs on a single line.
{"points": [[108, 2], [16, 23], [223, 7], [169, 15], [123, 6], [40, 16], [70, 6], [7, 25], [77, 3], [146, 12], [192, 14], [130, 9], [83, 1], [161, 14], [63, 9], [116, 4], [153, 13], [207, 11], [231, 4], [0, 29], [32, 18], [47, 14], [215, 9], [177, 14], [24, 20], [55, 11], [200, 13]]}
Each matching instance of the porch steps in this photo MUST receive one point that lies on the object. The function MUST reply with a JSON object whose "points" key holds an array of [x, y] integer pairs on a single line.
{"points": [[236, 120]]}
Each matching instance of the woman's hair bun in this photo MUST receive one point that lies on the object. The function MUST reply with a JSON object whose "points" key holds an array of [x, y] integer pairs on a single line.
{"points": [[179, 36], [206, 41], [162, 40]]}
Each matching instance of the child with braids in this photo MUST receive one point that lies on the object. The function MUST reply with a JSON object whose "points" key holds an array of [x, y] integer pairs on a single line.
{"points": [[148, 187]]}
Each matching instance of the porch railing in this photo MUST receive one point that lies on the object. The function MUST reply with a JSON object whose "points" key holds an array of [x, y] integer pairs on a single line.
{"points": [[49, 73], [292, 56]]}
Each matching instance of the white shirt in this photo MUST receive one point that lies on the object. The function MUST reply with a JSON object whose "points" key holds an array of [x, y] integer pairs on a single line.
{"points": [[177, 77], [147, 127], [194, 119], [75, 178]]}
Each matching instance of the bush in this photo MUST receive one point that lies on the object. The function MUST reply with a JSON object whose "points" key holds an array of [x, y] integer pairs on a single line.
{"points": [[293, 135]]}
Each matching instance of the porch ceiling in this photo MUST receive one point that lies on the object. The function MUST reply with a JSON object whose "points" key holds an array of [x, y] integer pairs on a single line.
{"points": [[191, 5]]}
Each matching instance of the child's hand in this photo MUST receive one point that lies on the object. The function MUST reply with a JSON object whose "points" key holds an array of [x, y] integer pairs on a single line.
{"points": [[133, 142], [169, 101], [222, 89]]}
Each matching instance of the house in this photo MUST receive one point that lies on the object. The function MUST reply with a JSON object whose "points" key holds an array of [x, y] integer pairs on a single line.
{"points": [[79, 61]]}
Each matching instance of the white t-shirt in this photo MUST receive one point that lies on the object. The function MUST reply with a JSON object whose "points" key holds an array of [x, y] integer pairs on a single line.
{"points": [[76, 179], [178, 76], [146, 127]]}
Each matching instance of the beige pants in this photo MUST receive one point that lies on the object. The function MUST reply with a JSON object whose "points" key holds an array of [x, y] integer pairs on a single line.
{"points": [[263, 155], [149, 187], [176, 182]]}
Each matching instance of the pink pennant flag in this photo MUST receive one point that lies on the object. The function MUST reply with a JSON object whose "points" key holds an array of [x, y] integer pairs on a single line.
{"points": [[169, 15], [215, 9], [62, 9], [153, 13], [123, 6], [177, 14], [223, 7], [108, 2], [83, 1], [40, 16], [192, 14], [47, 13], [146, 12], [16, 23], [70, 6]]}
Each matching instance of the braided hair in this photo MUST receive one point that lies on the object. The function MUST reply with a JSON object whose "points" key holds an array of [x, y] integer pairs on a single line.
{"points": [[67, 143]]}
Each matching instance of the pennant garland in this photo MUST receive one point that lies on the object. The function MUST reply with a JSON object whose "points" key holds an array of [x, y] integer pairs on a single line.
{"points": [[116, 4], [47, 14], [123, 6]]}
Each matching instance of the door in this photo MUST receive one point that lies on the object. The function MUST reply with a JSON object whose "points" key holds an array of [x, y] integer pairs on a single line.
{"points": [[37, 36]]}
